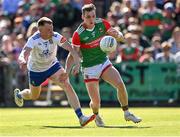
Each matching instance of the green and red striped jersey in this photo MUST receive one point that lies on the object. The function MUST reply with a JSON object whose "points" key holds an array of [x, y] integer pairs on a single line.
{"points": [[89, 40], [151, 22]]}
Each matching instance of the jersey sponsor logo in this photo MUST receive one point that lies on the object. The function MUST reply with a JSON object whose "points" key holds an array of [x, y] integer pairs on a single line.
{"points": [[92, 44], [45, 53]]}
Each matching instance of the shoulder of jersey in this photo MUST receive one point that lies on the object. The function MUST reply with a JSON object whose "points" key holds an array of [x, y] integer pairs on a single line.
{"points": [[80, 29], [35, 36], [56, 34]]}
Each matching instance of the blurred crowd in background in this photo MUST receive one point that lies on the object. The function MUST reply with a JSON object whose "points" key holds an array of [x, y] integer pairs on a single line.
{"points": [[151, 29]]}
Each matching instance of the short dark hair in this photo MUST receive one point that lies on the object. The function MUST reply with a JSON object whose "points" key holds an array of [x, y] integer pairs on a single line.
{"points": [[88, 7], [44, 20]]}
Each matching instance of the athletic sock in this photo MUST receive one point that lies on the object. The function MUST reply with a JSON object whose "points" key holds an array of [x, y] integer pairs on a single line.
{"points": [[78, 112], [19, 96], [124, 108]]}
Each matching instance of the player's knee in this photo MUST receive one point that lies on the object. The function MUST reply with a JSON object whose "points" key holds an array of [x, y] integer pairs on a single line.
{"points": [[65, 84]]}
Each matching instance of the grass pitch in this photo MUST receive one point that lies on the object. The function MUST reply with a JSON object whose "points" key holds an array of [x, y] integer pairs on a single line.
{"points": [[63, 122]]}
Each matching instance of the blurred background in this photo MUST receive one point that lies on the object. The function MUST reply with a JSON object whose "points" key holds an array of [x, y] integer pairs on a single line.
{"points": [[149, 62]]}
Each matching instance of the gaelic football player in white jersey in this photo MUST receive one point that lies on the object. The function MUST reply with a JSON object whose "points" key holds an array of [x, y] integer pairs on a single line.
{"points": [[39, 56]]}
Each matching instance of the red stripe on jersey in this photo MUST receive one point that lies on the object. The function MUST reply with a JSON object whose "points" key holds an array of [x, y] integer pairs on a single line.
{"points": [[93, 44], [154, 22]]}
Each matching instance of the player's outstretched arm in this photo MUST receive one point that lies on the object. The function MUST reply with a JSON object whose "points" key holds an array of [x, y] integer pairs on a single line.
{"points": [[73, 59], [117, 34], [69, 63], [23, 57]]}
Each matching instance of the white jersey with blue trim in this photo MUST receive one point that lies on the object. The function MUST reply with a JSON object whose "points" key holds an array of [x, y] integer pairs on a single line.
{"points": [[43, 54]]}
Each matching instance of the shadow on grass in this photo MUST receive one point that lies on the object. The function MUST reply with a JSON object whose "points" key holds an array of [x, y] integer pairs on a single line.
{"points": [[78, 127], [72, 127], [125, 127]]}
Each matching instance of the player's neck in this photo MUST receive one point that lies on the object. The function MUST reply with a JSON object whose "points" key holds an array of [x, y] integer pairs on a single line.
{"points": [[45, 37], [88, 26]]}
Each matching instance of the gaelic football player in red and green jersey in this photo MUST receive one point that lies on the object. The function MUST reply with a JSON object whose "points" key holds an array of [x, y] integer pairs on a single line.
{"points": [[95, 63]]}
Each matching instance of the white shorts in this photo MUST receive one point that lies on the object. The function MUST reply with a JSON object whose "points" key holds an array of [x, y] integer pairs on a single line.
{"points": [[95, 72]]}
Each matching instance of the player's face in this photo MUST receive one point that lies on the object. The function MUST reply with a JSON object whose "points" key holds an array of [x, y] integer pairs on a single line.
{"points": [[89, 18], [46, 30]]}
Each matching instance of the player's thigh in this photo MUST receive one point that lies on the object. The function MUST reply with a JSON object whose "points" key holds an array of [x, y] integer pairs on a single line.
{"points": [[56, 77], [35, 91], [112, 76], [93, 90], [61, 78]]}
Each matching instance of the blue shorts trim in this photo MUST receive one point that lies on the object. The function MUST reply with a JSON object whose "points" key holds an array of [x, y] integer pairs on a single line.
{"points": [[37, 78]]}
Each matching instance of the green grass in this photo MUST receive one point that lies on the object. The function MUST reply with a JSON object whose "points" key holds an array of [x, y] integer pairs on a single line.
{"points": [[63, 122]]}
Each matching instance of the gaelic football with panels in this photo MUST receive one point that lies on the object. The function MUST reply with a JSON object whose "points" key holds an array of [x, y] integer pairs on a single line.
{"points": [[108, 44]]}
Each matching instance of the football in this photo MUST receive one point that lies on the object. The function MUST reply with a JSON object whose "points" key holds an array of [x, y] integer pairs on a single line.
{"points": [[108, 44]]}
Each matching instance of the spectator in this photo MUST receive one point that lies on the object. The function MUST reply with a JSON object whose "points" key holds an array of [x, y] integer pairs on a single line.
{"points": [[62, 53], [7, 45], [147, 55], [31, 29], [129, 51], [156, 44], [18, 25], [177, 13], [115, 13], [166, 56], [177, 61], [143, 40], [168, 22], [124, 22], [151, 19], [32, 16], [64, 15], [5, 26], [10, 7], [175, 40]]}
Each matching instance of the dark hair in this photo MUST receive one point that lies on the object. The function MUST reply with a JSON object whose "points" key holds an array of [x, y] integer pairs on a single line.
{"points": [[88, 7], [44, 20]]}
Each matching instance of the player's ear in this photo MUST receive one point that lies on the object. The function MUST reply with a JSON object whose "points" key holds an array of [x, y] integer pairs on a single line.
{"points": [[40, 28], [82, 17]]}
